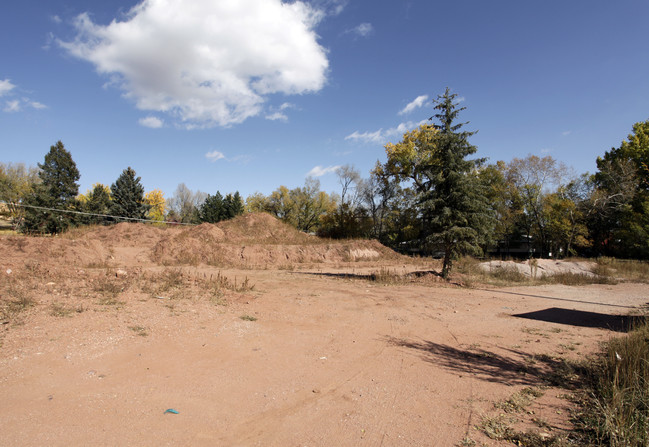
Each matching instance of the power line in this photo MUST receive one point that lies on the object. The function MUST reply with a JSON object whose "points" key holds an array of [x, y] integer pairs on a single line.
{"points": [[95, 214]]}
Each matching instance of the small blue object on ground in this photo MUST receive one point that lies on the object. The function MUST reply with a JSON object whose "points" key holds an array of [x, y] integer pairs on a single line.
{"points": [[172, 411]]}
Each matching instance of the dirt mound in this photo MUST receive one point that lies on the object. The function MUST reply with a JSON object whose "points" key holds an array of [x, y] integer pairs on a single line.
{"points": [[120, 244], [252, 240], [542, 267], [121, 234], [207, 232], [262, 228], [259, 240], [33, 251]]}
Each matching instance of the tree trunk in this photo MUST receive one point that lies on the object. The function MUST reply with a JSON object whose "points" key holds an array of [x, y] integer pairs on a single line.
{"points": [[446, 268]]}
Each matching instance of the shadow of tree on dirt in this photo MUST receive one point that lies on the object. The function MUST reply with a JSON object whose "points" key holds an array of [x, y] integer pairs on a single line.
{"points": [[572, 317], [374, 276], [519, 369], [368, 277]]}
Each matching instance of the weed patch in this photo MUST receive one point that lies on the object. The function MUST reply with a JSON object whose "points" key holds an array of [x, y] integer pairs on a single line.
{"points": [[519, 401], [62, 311], [139, 330], [616, 409], [576, 279], [107, 287], [627, 270]]}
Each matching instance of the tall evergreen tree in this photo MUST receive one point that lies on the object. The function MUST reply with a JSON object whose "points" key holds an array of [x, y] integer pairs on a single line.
{"points": [[98, 201], [57, 190], [212, 209], [128, 196], [237, 204], [455, 206], [216, 208]]}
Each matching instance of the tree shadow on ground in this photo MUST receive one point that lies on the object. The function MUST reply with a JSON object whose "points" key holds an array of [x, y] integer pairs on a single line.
{"points": [[373, 276], [618, 323], [367, 276], [517, 368]]}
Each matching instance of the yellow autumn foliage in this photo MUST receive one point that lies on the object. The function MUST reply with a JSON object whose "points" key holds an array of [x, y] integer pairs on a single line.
{"points": [[158, 204]]}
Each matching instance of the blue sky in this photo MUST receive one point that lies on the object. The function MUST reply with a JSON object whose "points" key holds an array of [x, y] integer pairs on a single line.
{"points": [[248, 95]]}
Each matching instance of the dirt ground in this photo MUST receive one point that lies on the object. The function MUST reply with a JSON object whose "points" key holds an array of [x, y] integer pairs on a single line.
{"points": [[304, 350]]}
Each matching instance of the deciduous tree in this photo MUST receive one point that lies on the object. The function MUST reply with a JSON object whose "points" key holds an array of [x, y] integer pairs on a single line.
{"points": [[185, 203], [157, 205], [16, 183], [621, 227]]}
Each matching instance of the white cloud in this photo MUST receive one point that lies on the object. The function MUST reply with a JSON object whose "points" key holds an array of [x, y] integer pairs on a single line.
{"points": [[566, 133], [416, 103], [37, 105], [214, 156], [367, 137], [151, 121], [56, 19], [5, 87], [12, 106], [319, 171], [363, 30], [330, 7], [277, 116], [207, 62], [382, 136], [16, 105]]}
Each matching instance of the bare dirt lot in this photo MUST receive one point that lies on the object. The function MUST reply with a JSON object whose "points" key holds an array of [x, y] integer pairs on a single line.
{"points": [[257, 335]]}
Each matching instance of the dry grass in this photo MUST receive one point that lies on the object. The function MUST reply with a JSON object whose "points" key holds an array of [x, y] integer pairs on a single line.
{"points": [[520, 400], [108, 288], [63, 310], [139, 330], [17, 294], [18, 302], [616, 408], [576, 279], [500, 426], [472, 274], [626, 270], [174, 283], [389, 277]]}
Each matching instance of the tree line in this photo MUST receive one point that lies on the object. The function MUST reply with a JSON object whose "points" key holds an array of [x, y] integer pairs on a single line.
{"points": [[428, 197], [46, 199]]}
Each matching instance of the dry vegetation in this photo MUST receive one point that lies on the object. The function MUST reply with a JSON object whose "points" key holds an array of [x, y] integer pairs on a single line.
{"points": [[108, 269]]}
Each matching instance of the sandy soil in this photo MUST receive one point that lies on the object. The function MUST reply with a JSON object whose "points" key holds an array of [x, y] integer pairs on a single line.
{"points": [[331, 359]]}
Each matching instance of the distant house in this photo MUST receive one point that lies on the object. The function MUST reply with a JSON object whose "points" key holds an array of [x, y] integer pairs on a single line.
{"points": [[517, 248]]}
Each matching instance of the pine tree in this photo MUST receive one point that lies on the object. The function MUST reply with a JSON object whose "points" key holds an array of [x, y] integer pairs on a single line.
{"points": [[455, 206], [128, 196], [212, 209], [57, 190], [233, 205]]}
